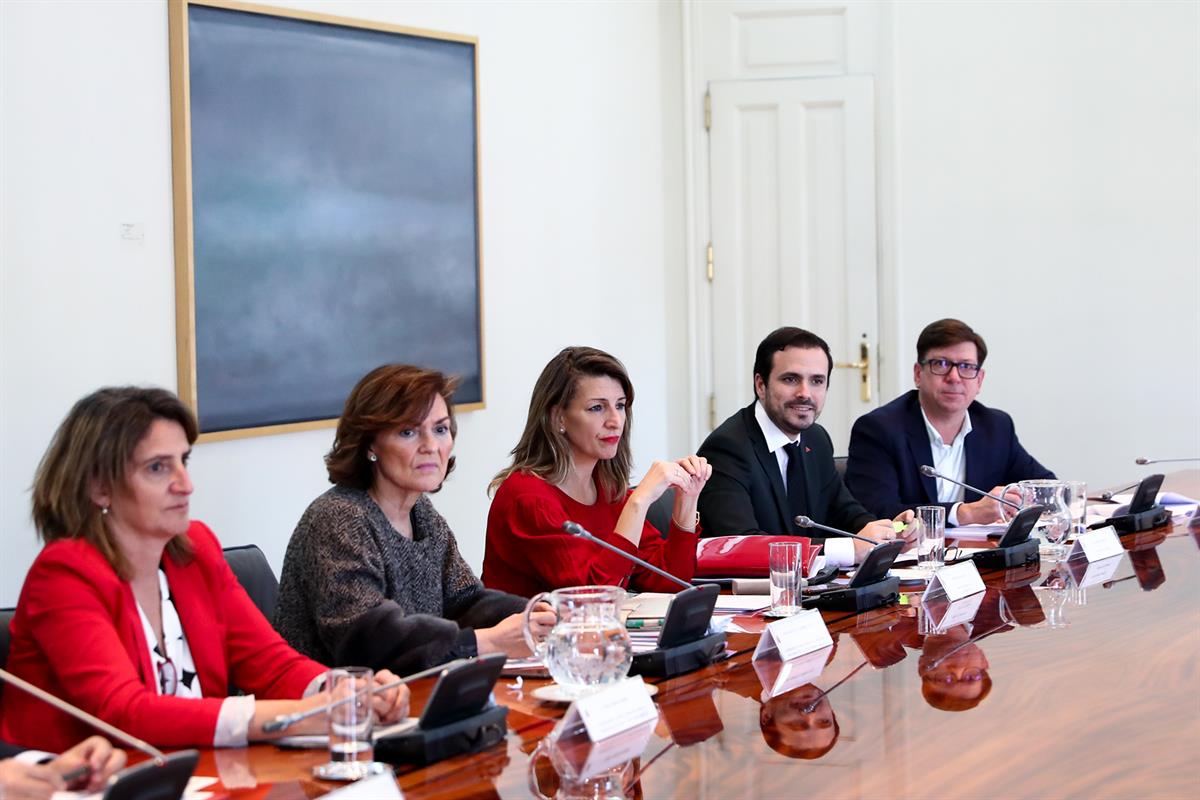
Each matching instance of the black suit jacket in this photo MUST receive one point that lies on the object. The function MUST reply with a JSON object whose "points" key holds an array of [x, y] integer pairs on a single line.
{"points": [[746, 495], [888, 445]]}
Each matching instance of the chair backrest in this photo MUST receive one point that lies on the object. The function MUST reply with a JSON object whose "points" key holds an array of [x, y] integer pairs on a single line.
{"points": [[254, 573], [6, 615], [659, 513], [839, 464]]}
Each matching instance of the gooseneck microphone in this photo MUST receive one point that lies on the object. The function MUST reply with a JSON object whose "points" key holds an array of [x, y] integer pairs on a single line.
{"points": [[806, 522], [930, 472], [1106, 496], [288, 720], [62, 705], [1144, 461], [575, 529]]}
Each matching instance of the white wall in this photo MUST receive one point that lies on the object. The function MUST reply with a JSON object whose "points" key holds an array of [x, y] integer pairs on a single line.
{"points": [[1047, 183], [577, 221]]}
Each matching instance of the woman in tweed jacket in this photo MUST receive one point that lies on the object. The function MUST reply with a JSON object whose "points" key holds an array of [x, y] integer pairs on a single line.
{"points": [[372, 574]]}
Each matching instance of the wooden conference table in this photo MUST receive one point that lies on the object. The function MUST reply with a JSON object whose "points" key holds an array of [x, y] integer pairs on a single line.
{"points": [[1093, 694]]}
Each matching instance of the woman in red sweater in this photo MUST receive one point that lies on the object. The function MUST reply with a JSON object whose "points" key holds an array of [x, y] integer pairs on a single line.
{"points": [[130, 611], [572, 464]]}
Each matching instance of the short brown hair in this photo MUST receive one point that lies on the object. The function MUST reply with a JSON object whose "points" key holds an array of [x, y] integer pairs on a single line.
{"points": [[781, 339], [947, 332], [387, 397], [93, 446], [545, 452]]}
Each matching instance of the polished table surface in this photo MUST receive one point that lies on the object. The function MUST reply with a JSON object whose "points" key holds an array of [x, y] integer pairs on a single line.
{"points": [[1088, 693]]}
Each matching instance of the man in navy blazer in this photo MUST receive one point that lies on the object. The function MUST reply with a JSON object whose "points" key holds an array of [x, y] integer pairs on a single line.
{"points": [[772, 462], [941, 424]]}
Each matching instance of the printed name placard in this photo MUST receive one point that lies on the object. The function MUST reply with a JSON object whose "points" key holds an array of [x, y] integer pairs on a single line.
{"points": [[794, 636], [1088, 573], [376, 787], [943, 616], [1097, 545], [957, 581], [780, 677], [615, 708], [616, 750]]}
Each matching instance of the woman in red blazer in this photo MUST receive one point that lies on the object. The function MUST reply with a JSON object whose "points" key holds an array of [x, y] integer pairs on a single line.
{"points": [[130, 611], [573, 463]]}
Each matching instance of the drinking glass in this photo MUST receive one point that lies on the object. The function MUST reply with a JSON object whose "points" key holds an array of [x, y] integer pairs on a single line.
{"points": [[1076, 497], [351, 725], [786, 562], [931, 538]]}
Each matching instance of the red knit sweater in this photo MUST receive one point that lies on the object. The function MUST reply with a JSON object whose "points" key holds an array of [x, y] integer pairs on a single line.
{"points": [[527, 551]]}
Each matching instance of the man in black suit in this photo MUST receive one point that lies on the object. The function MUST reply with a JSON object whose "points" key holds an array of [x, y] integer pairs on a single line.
{"points": [[32, 775], [772, 462], [941, 424]]}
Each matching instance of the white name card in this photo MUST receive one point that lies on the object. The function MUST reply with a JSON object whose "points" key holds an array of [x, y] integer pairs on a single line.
{"points": [[1094, 572], [794, 636], [376, 787], [615, 708], [780, 677], [955, 613], [1097, 545], [957, 581], [616, 750]]}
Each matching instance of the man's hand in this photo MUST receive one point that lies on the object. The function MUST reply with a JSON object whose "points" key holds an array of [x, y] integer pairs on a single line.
{"points": [[881, 530], [986, 510]]}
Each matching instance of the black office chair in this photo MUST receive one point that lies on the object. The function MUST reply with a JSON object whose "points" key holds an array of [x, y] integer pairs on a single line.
{"points": [[254, 573], [839, 464], [659, 513], [6, 615]]}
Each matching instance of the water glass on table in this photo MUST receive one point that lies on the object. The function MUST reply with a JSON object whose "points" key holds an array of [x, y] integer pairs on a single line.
{"points": [[351, 725], [1076, 499], [931, 538], [786, 562]]}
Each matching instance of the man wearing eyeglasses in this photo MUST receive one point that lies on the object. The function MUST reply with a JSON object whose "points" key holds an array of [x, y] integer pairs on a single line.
{"points": [[940, 423]]}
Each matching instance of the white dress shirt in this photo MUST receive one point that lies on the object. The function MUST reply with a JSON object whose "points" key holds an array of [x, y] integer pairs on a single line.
{"points": [[838, 551], [949, 459]]}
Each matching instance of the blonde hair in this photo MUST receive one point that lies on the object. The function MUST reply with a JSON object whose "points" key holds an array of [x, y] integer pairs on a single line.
{"points": [[546, 453], [93, 446]]}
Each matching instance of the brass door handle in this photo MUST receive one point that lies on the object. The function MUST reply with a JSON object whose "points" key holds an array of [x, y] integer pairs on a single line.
{"points": [[863, 365]]}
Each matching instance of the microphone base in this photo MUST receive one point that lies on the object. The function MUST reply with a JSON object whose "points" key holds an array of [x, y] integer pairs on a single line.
{"points": [[1018, 555], [679, 659], [1151, 518], [148, 781], [858, 599], [420, 747]]}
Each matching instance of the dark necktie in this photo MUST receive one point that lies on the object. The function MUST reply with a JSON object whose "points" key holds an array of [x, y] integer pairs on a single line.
{"points": [[797, 497]]}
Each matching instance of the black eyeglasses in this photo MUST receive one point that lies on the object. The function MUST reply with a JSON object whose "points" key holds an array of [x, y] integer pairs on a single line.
{"points": [[168, 677], [941, 366]]}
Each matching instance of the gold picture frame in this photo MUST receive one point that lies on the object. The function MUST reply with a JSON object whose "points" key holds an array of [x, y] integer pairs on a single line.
{"points": [[282, 312]]}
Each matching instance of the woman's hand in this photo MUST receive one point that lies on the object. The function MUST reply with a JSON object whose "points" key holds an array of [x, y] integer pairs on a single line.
{"points": [[696, 471], [101, 758], [21, 781], [392, 705], [508, 636]]}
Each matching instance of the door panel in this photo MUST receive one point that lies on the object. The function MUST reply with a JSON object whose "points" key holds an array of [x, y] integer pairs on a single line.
{"points": [[792, 166]]}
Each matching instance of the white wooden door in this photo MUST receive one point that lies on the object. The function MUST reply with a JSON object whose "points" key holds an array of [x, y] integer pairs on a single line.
{"points": [[792, 180]]}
